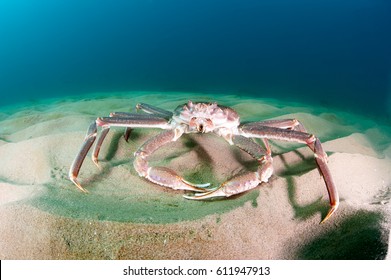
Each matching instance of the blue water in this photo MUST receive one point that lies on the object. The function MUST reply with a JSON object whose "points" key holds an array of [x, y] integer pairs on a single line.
{"points": [[332, 52]]}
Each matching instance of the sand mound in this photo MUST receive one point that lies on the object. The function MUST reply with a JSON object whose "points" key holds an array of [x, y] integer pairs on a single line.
{"points": [[44, 216]]}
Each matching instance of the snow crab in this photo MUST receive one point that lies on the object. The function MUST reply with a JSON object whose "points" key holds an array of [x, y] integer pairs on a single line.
{"points": [[205, 117]]}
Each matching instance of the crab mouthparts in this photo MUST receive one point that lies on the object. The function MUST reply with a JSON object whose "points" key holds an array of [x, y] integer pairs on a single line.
{"points": [[201, 128]]}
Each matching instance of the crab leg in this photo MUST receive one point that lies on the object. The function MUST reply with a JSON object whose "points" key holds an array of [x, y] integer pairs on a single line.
{"points": [[154, 110], [247, 181], [301, 137], [98, 144], [106, 123], [127, 120], [161, 175], [150, 110], [134, 120], [78, 161], [292, 124], [252, 148], [104, 133], [128, 130], [158, 112]]}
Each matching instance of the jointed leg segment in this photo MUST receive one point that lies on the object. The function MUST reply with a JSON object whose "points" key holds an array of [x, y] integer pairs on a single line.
{"points": [[75, 167], [161, 175], [258, 131], [290, 124], [116, 119], [246, 181], [154, 110]]}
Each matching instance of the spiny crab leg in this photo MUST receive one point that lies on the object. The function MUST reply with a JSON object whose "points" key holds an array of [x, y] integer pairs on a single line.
{"points": [[301, 137], [130, 121], [154, 110], [292, 124], [247, 181], [128, 130], [78, 161], [161, 175], [105, 131], [159, 112], [98, 144], [240, 183], [127, 120]]}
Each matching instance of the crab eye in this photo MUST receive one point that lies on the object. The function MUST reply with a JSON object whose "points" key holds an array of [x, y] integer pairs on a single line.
{"points": [[192, 121]]}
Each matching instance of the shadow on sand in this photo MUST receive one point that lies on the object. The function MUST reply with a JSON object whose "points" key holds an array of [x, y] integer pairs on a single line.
{"points": [[358, 237]]}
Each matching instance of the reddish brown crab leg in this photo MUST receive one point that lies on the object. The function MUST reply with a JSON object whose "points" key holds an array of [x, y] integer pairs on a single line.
{"points": [[106, 129], [301, 137], [247, 181], [98, 144], [159, 112], [278, 131], [128, 130], [75, 167], [249, 146], [292, 124], [132, 121], [161, 175], [154, 110]]}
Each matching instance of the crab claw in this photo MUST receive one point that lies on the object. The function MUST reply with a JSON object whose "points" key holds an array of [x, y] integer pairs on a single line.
{"points": [[201, 186], [237, 184], [207, 195], [166, 177]]}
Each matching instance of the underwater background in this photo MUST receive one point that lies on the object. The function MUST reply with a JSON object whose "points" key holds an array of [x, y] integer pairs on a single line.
{"points": [[333, 53], [63, 63]]}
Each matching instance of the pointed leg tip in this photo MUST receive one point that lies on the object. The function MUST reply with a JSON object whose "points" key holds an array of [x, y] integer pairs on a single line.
{"points": [[77, 184], [81, 188], [207, 195], [193, 188], [96, 161], [84, 190], [329, 214], [199, 186]]}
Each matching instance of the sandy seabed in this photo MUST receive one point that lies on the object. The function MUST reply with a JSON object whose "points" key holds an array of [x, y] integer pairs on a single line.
{"points": [[44, 216]]}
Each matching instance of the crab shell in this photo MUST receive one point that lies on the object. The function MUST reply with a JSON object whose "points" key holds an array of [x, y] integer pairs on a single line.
{"points": [[205, 117]]}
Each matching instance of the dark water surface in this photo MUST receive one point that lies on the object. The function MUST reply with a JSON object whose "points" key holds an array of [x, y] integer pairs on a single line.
{"points": [[332, 52]]}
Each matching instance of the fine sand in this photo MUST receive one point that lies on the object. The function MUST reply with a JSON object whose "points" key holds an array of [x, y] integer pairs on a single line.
{"points": [[44, 216]]}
